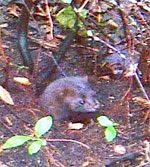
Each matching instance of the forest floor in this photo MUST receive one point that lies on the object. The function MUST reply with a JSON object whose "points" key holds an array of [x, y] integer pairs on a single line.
{"points": [[128, 149]]}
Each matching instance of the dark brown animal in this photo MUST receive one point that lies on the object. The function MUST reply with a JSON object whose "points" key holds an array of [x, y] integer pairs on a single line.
{"points": [[66, 96]]}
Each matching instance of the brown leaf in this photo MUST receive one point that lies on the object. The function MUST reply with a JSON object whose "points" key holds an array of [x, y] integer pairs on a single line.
{"points": [[144, 6], [75, 126], [141, 101], [4, 25], [112, 23], [119, 149], [13, 10], [5, 96], [84, 164], [106, 77], [22, 81], [2, 164]]}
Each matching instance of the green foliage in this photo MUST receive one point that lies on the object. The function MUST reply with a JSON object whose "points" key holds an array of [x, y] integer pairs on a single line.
{"points": [[104, 121], [19, 66], [15, 141], [42, 126], [83, 13], [34, 147], [67, 17], [66, 1], [110, 131]]}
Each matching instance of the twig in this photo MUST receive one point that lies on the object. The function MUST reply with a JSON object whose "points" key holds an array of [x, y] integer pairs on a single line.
{"points": [[56, 64], [83, 5], [6, 60], [129, 156], [141, 18], [108, 45], [50, 19], [48, 15], [147, 151], [38, 28], [141, 86], [124, 17], [51, 158], [130, 46], [8, 128], [126, 97], [132, 63], [68, 140]]}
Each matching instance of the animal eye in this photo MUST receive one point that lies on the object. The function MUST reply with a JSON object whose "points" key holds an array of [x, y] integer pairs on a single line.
{"points": [[81, 101]]}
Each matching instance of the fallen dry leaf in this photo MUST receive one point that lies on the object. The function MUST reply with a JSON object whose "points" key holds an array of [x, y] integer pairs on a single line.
{"points": [[4, 25], [86, 163], [22, 81], [2, 165], [106, 77], [75, 126], [144, 6], [13, 10], [141, 101], [5, 96], [119, 149], [112, 23]]}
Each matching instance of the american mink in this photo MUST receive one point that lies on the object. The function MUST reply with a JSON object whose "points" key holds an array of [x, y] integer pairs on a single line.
{"points": [[65, 97]]}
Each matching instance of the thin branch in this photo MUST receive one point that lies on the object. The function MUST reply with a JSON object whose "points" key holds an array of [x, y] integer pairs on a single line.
{"points": [[50, 19], [56, 64], [129, 60], [83, 5], [6, 60], [68, 140]]}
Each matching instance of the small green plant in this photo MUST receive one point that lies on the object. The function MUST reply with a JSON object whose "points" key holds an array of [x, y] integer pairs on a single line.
{"points": [[42, 126], [110, 131], [18, 66], [67, 17], [66, 1]]}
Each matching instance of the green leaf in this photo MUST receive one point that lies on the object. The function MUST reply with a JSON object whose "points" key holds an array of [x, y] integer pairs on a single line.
{"points": [[43, 125], [15, 141], [104, 121], [110, 133], [66, 17], [34, 147], [66, 1], [44, 142], [83, 13]]}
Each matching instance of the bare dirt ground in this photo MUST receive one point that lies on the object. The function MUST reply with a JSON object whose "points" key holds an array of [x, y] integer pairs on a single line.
{"points": [[20, 118]]}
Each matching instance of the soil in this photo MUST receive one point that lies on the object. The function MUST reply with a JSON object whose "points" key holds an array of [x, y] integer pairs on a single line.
{"points": [[132, 136]]}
